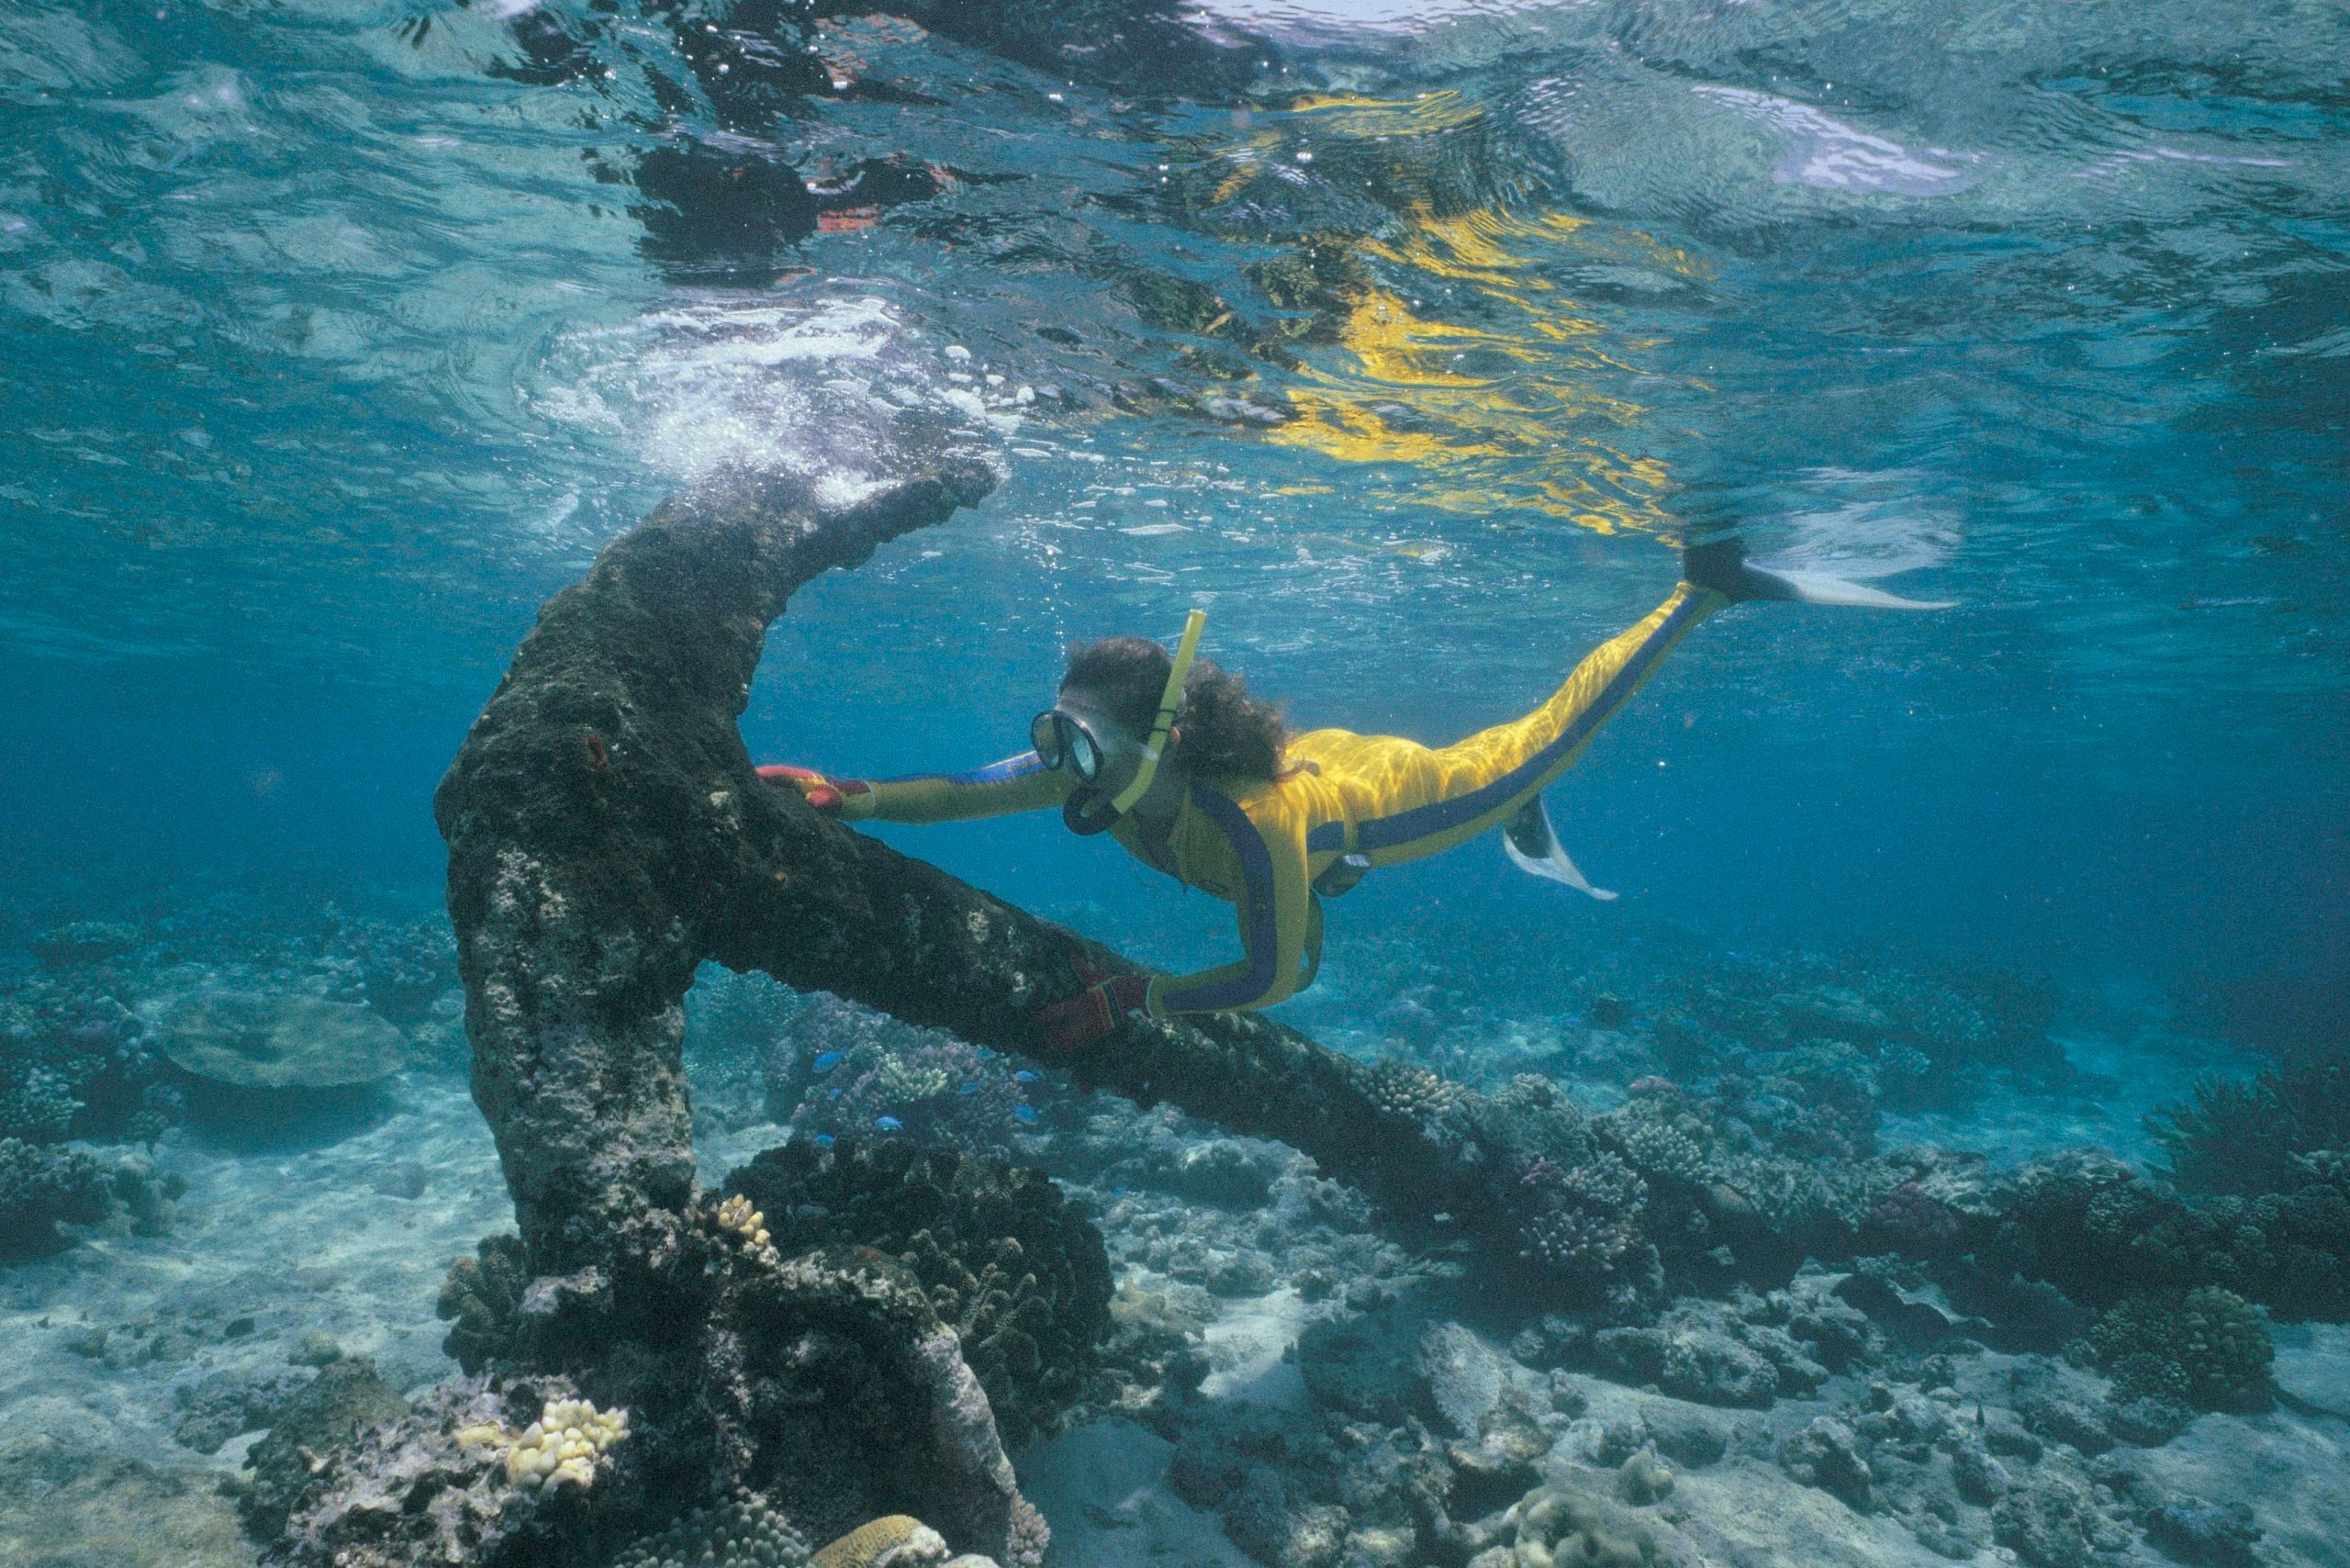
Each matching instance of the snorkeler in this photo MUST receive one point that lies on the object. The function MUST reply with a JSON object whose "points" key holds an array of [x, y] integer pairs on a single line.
{"points": [[1172, 758]]}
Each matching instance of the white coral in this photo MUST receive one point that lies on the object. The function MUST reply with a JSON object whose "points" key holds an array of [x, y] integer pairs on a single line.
{"points": [[563, 1444]]}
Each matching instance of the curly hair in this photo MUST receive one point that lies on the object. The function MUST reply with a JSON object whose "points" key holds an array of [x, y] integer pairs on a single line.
{"points": [[1228, 736]]}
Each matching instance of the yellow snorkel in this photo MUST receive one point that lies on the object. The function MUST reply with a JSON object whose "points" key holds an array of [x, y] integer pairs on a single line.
{"points": [[1171, 702]]}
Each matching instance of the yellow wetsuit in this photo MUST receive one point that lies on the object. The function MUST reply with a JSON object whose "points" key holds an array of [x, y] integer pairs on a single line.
{"points": [[1260, 846]]}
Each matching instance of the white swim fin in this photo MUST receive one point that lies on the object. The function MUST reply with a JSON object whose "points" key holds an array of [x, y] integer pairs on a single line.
{"points": [[1532, 846], [1721, 564]]}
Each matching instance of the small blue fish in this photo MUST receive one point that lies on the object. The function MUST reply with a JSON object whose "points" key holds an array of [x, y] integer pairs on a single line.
{"points": [[823, 1140], [831, 1094], [827, 1060], [1027, 1075], [970, 1087], [889, 1123], [1026, 1114]]}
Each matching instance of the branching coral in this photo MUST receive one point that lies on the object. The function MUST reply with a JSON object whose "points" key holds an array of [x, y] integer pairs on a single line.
{"points": [[38, 1107], [1584, 1222], [2245, 1137], [74, 1061], [1407, 1090]]}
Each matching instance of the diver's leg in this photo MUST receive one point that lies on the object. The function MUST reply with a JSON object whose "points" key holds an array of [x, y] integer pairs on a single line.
{"points": [[1444, 797]]}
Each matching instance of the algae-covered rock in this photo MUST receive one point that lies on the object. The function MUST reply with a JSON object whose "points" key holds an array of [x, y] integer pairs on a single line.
{"points": [[2220, 1534], [342, 1401], [1702, 1353], [83, 942], [1351, 1368], [250, 1040], [1462, 1378], [69, 1502], [2048, 1524], [1827, 1454]]}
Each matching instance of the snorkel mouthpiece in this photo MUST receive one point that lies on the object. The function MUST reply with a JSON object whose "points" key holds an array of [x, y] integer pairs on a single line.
{"points": [[1170, 701]]}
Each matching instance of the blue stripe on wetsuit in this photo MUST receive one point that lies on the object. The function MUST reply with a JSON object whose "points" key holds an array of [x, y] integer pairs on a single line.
{"points": [[1010, 767], [1260, 936], [1387, 832]]}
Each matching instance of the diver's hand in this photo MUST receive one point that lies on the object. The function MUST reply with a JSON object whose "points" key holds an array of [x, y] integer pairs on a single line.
{"points": [[1075, 1023], [849, 797]]}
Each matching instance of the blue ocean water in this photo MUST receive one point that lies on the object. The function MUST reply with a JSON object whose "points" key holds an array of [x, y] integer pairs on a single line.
{"points": [[340, 335], [337, 335]]}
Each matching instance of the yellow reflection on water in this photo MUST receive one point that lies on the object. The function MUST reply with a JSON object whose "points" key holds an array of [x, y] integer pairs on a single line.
{"points": [[1505, 397]]}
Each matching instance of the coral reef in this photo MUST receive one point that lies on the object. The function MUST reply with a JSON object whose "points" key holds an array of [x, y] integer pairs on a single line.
{"points": [[41, 1189], [744, 1531], [2206, 1349], [836, 1069], [2099, 1231], [1589, 1225], [74, 1062], [2244, 1138], [1865, 1031], [402, 966], [480, 1299], [1408, 1090], [1017, 1272], [561, 1448], [46, 1190]]}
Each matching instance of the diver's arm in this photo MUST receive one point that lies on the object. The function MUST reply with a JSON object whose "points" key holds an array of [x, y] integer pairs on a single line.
{"points": [[1276, 909], [1020, 783]]}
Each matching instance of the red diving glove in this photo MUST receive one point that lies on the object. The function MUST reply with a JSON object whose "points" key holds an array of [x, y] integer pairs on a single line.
{"points": [[1075, 1023], [850, 797]]}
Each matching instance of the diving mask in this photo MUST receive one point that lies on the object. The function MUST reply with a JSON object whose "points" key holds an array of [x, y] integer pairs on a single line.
{"points": [[1064, 740]]}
